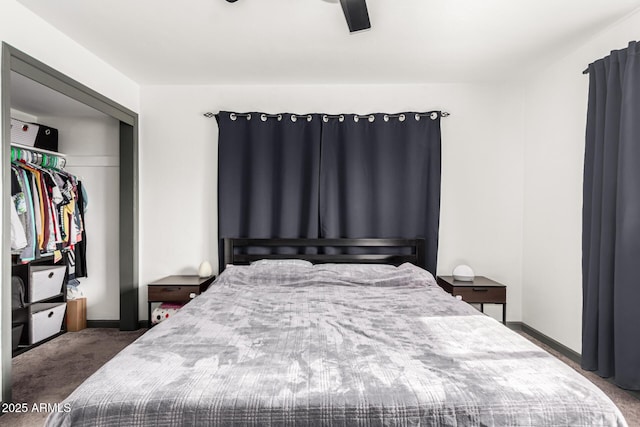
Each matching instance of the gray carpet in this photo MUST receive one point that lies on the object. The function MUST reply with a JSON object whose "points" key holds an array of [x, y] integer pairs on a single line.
{"points": [[47, 374], [50, 372]]}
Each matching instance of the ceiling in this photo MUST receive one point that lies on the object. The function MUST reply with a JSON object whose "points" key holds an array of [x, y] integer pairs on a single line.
{"points": [[307, 41], [30, 97]]}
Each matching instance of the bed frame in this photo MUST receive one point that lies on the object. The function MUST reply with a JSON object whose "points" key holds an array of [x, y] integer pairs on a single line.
{"points": [[236, 250]]}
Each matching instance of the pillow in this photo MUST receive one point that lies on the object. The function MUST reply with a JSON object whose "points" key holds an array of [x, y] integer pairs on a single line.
{"points": [[282, 263]]}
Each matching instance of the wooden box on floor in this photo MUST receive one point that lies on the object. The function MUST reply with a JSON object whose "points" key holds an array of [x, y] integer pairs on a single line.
{"points": [[76, 314]]}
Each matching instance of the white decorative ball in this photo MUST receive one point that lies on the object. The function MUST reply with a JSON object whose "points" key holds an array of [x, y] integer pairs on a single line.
{"points": [[205, 269], [463, 273]]}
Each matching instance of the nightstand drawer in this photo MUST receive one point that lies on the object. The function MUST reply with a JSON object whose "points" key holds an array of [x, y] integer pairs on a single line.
{"points": [[481, 291], [480, 294], [169, 293]]}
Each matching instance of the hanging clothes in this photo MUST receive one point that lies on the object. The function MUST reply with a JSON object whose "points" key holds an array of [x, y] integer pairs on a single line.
{"points": [[18, 234], [81, 247], [28, 219], [48, 217]]}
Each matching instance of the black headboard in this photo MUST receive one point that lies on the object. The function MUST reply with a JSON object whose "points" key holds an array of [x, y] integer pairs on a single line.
{"points": [[235, 250]]}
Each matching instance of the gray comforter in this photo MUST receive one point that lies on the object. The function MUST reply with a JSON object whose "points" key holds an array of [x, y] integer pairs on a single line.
{"points": [[333, 345]]}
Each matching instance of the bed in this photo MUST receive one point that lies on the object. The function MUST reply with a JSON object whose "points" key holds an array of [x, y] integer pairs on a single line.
{"points": [[345, 341]]}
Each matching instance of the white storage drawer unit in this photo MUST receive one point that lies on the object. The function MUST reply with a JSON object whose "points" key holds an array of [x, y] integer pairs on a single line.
{"points": [[23, 133], [46, 320], [45, 281]]}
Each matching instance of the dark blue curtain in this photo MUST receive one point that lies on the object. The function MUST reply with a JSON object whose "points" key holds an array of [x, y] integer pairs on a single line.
{"points": [[381, 178], [346, 176], [611, 220], [268, 170]]}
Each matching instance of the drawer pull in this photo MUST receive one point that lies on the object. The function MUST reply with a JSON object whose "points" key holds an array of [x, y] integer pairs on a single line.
{"points": [[480, 289], [50, 314], [50, 275], [192, 295]]}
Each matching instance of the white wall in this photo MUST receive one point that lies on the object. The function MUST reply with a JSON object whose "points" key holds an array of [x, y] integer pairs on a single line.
{"points": [[92, 148], [25, 31], [29, 33], [556, 105], [481, 213]]}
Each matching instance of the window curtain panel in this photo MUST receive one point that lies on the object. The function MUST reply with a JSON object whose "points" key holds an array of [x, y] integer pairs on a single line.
{"points": [[380, 177], [268, 170], [611, 219]]}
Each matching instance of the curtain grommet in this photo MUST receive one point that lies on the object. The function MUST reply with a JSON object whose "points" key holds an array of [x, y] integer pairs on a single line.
{"points": [[263, 117], [356, 118], [249, 116], [294, 118], [372, 118], [341, 118], [417, 116], [402, 117], [325, 118], [434, 115], [279, 117], [386, 117], [233, 116], [309, 117]]}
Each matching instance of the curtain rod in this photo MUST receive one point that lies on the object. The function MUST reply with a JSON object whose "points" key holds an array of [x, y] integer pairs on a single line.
{"points": [[325, 117]]}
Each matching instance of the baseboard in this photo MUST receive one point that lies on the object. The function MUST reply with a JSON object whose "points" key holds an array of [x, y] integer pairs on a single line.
{"points": [[112, 324], [103, 324], [557, 346], [516, 326]]}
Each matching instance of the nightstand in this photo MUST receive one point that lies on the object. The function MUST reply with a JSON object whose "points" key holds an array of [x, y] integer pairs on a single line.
{"points": [[180, 289], [481, 291]]}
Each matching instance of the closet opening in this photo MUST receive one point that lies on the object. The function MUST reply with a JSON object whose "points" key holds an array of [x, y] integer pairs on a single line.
{"points": [[100, 140]]}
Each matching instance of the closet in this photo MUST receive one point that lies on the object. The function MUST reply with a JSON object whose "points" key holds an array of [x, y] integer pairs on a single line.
{"points": [[97, 138], [46, 232]]}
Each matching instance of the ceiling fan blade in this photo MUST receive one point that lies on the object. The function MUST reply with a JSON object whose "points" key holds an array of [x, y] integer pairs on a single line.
{"points": [[356, 13]]}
